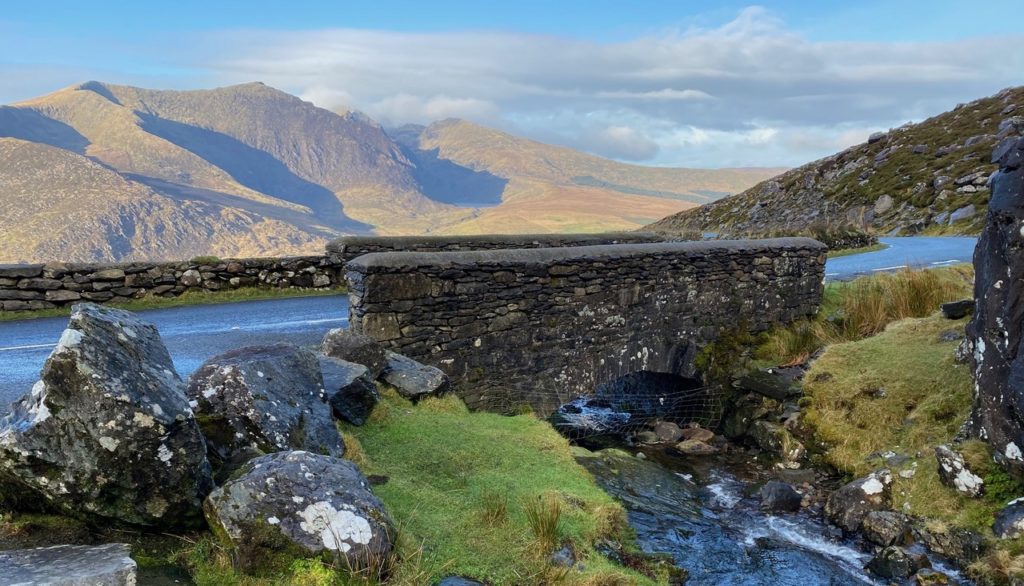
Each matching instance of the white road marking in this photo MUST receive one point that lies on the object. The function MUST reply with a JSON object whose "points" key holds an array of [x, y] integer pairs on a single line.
{"points": [[889, 268], [30, 347]]}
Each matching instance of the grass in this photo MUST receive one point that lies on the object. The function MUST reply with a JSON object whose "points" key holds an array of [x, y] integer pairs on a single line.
{"points": [[852, 251], [188, 298], [486, 496]]}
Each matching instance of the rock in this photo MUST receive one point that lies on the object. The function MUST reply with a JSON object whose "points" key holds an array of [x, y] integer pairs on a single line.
{"points": [[886, 528], [692, 447], [646, 437], [1009, 523], [960, 545], [304, 503], [563, 558], [893, 562], [414, 380], [69, 565], [883, 204], [351, 391], [920, 149], [953, 472], [698, 433], [968, 211], [774, 383], [747, 409], [108, 430], [191, 278], [359, 348], [262, 399], [458, 581], [973, 140], [994, 333], [779, 497], [929, 577], [668, 432], [941, 181], [776, 440], [848, 505], [958, 309], [875, 137], [796, 476]]}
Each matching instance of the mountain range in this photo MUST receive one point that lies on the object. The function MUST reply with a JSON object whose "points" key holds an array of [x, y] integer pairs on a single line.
{"points": [[101, 172], [931, 177]]}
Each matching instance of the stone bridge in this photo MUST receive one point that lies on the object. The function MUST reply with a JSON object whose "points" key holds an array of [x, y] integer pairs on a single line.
{"points": [[539, 327]]}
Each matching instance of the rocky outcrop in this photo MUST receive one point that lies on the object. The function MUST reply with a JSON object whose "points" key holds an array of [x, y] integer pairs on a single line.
{"points": [[351, 391], [108, 430], [69, 565], [996, 330], [350, 346], [262, 399], [414, 380], [304, 503], [847, 506]]}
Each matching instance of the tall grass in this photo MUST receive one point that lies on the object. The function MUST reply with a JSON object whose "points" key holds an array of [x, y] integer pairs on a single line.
{"points": [[543, 514], [864, 307]]}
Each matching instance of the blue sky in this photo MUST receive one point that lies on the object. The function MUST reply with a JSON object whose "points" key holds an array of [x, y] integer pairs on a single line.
{"points": [[689, 83]]}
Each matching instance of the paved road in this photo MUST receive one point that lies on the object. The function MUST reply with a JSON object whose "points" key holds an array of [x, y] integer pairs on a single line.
{"points": [[196, 333], [192, 334], [914, 252]]}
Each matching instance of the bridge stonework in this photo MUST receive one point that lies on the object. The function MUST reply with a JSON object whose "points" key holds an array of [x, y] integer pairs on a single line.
{"points": [[540, 327]]}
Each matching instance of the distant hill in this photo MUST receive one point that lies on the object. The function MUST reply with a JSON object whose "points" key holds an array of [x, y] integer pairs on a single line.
{"points": [[251, 170], [930, 177]]}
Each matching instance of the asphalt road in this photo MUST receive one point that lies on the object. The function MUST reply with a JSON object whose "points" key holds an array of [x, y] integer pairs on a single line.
{"points": [[194, 334]]}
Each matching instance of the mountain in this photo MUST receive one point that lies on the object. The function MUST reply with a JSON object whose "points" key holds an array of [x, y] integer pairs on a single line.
{"points": [[930, 178], [100, 172]]}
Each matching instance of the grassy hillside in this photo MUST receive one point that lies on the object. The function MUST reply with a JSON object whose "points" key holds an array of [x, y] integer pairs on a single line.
{"points": [[929, 177]]}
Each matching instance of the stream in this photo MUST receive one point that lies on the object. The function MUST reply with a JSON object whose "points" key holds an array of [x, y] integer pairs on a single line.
{"points": [[705, 513]]}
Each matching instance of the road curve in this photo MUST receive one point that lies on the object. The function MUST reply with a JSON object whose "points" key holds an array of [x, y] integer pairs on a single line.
{"points": [[913, 252]]}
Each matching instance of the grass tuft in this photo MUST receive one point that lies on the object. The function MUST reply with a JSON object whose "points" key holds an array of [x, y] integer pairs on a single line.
{"points": [[543, 514]]}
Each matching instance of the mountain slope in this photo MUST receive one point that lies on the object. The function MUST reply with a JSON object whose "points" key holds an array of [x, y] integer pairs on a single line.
{"points": [[929, 177]]}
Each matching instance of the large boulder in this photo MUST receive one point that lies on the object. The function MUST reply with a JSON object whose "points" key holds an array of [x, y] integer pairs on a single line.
{"points": [[894, 563], [847, 506], [1009, 522], [262, 399], [886, 528], [779, 497], [774, 383], [69, 565], [108, 430], [954, 473], [414, 380], [353, 347], [303, 504], [995, 332], [350, 389]]}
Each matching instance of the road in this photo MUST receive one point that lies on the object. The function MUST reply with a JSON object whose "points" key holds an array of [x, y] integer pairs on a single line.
{"points": [[194, 334]]}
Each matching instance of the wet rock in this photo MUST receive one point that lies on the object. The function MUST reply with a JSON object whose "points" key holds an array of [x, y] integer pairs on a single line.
{"points": [[646, 437], [774, 383], [1009, 523], [779, 497], [747, 409], [958, 309], [929, 577], [302, 503], [666, 431], [893, 562], [847, 506], [995, 331], [352, 347], [953, 472], [563, 558], [698, 433], [886, 528], [69, 565], [776, 440], [960, 545], [262, 399], [108, 430], [692, 447], [414, 380], [350, 389]]}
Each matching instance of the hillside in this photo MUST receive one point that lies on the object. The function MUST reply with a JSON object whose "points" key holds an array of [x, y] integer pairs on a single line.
{"points": [[251, 170], [930, 177]]}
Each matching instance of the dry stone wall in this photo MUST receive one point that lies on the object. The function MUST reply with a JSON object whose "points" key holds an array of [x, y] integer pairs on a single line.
{"points": [[539, 327]]}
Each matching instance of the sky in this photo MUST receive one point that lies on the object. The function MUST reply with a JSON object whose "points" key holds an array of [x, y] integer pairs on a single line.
{"points": [[671, 82]]}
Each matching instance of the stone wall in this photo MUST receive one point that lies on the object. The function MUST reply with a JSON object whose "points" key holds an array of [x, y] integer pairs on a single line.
{"points": [[542, 326], [46, 286]]}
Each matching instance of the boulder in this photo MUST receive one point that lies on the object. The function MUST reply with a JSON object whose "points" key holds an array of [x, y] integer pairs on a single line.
{"points": [[667, 432], [359, 348], [995, 332], [954, 473], [108, 431], [847, 506], [412, 379], [1009, 523], [350, 389], [960, 545], [886, 528], [697, 433], [779, 497], [774, 383], [895, 563], [262, 399], [69, 565], [958, 309], [302, 503], [692, 447], [776, 440], [929, 577], [968, 211], [883, 204]]}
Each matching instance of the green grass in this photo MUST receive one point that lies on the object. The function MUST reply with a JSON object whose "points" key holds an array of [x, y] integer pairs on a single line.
{"points": [[486, 496], [187, 298], [853, 251]]}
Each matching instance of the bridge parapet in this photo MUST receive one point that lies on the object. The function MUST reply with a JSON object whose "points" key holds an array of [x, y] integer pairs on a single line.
{"points": [[541, 326]]}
